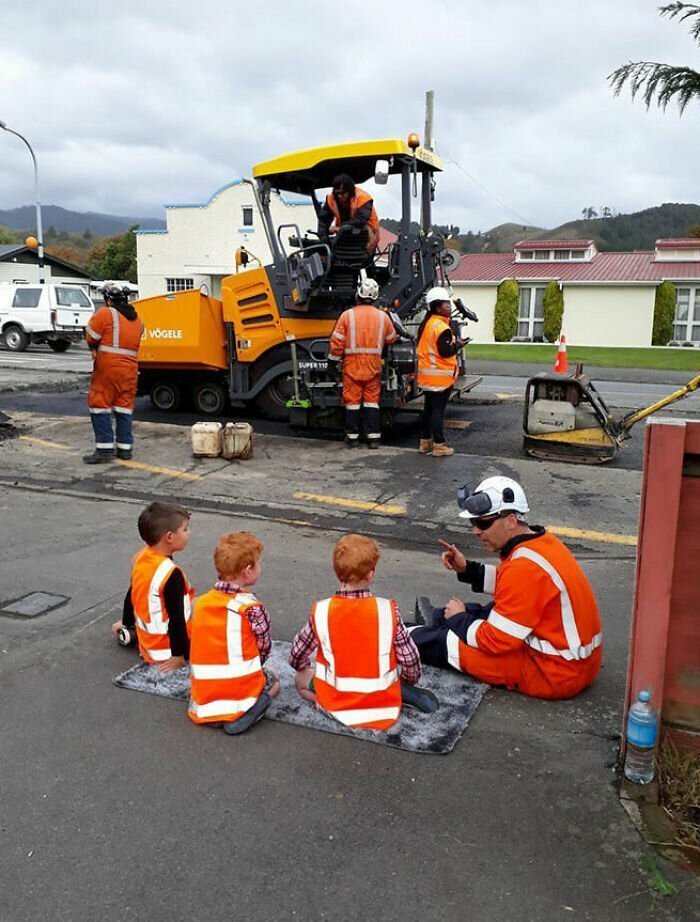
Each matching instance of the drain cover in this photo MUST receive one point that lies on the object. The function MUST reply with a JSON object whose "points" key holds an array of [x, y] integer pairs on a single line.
{"points": [[33, 605]]}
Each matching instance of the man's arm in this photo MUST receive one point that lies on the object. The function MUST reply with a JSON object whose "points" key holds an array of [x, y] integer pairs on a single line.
{"points": [[480, 576], [362, 215], [338, 339]]}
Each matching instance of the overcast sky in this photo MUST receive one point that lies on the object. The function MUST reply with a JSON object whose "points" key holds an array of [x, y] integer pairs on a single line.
{"points": [[141, 104]]}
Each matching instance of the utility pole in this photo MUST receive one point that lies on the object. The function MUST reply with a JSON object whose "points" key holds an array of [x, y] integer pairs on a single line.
{"points": [[428, 133]]}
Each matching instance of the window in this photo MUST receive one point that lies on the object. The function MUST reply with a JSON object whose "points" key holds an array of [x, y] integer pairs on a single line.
{"points": [[69, 297], [686, 323], [26, 297], [247, 216], [562, 254], [578, 254], [531, 313], [541, 254], [527, 254], [183, 284]]}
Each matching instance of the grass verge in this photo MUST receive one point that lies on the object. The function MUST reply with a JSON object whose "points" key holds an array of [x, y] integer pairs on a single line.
{"points": [[677, 359], [679, 787]]}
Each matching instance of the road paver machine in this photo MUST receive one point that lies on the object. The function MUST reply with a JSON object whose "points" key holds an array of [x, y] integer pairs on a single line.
{"points": [[266, 340]]}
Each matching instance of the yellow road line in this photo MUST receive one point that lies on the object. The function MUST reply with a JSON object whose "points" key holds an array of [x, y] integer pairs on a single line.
{"points": [[353, 503], [183, 475], [46, 442], [604, 537]]}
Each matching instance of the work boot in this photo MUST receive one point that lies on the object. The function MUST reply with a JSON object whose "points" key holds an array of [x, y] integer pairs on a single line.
{"points": [[99, 456], [251, 716], [351, 443], [441, 450], [426, 446], [419, 698], [423, 612], [124, 454]]}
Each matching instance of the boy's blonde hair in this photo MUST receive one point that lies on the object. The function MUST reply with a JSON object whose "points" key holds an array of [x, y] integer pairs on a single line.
{"points": [[235, 552], [354, 556]]}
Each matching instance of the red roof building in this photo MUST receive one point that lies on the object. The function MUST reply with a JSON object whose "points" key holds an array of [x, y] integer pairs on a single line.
{"points": [[608, 297]]}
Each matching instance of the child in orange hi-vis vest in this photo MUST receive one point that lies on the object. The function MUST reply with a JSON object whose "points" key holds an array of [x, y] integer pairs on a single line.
{"points": [[158, 603], [231, 641], [366, 663]]}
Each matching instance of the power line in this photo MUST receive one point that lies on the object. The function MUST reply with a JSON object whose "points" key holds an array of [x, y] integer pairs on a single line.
{"points": [[488, 192]]}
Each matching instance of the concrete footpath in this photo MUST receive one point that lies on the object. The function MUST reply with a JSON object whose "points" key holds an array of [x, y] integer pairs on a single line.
{"points": [[116, 807]]}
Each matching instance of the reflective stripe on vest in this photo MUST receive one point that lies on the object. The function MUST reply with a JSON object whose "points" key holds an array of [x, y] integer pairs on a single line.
{"points": [[115, 348], [386, 677], [366, 715], [221, 707], [156, 624], [353, 348], [434, 371]]}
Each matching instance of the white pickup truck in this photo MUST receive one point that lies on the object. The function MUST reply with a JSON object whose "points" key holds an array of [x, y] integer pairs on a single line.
{"points": [[56, 314]]}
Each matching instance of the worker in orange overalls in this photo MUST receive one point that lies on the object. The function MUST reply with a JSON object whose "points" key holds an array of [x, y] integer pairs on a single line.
{"points": [[113, 335], [541, 635], [348, 205], [358, 340]]}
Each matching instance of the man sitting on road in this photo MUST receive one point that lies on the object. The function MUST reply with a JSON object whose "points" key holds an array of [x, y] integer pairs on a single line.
{"points": [[541, 635]]}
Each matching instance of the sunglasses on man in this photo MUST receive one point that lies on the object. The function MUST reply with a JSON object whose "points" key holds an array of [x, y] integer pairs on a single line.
{"points": [[483, 524]]}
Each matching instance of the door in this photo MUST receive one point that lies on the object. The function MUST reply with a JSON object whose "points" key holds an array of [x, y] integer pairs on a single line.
{"points": [[73, 307]]}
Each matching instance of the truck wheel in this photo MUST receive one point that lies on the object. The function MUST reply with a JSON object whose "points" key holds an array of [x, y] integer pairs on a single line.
{"points": [[272, 400], [59, 345], [210, 398], [165, 396], [16, 339]]}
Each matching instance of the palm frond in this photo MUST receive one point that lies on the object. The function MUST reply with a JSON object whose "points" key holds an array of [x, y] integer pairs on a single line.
{"points": [[684, 11], [657, 82]]}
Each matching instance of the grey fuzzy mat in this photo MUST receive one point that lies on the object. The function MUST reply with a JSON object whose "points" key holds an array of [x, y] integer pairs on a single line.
{"points": [[459, 697]]}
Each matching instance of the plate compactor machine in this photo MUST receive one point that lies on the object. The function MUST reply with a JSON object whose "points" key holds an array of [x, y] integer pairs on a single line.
{"points": [[266, 341], [566, 419]]}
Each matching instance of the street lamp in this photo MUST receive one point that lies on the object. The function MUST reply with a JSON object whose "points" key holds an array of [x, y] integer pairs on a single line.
{"points": [[39, 229]]}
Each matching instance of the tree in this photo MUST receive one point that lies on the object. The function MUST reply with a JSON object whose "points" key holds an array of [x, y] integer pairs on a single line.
{"points": [[663, 82], [664, 312], [505, 314], [693, 231], [7, 236], [553, 305], [114, 258]]}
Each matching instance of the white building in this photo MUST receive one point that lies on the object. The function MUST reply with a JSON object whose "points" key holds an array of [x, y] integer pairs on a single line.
{"points": [[608, 297], [20, 263], [199, 245]]}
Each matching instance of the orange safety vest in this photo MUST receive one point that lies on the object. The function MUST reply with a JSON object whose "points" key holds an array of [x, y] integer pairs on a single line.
{"points": [[115, 372], [357, 201], [435, 373], [226, 675], [359, 336], [357, 679], [149, 574], [544, 606]]}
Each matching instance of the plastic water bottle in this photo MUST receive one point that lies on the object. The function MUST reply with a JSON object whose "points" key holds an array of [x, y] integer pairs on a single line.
{"points": [[642, 730]]}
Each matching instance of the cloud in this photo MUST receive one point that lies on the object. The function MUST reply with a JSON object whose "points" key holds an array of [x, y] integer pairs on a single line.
{"points": [[137, 105]]}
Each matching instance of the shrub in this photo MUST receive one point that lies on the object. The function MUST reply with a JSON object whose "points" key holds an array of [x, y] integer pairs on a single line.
{"points": [[664, 312], [553, 303], [505, 315]]}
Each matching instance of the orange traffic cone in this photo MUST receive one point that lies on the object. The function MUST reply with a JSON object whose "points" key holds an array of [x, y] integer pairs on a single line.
{"points": [[561, 366]]}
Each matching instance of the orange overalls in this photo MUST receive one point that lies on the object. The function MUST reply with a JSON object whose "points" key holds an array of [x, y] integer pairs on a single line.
{"points": [[226, 675], [115, 343], [543, 635], [357, 679], [359, 199], [358, 339]]}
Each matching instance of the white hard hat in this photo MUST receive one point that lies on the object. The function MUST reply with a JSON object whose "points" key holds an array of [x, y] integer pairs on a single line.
{"points": [[493, 495], [367, 289], [437, 294]]}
